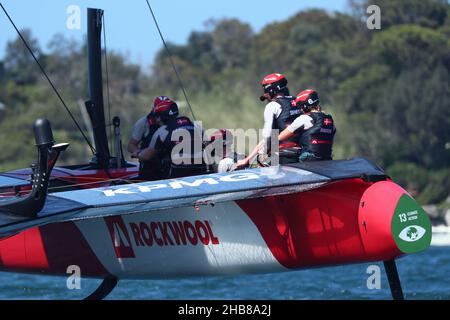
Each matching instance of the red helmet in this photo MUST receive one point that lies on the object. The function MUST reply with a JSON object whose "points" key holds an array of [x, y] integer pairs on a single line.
{"points": [[159, 100], [273, 84], [307, 99], [223, 134], [166, 109]]}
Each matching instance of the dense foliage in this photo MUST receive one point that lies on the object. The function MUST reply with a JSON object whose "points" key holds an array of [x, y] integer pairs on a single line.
{"points": [[388, 89]]}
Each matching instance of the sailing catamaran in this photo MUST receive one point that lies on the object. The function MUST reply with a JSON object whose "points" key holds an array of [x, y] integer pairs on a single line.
{"points": [[259, 220]]}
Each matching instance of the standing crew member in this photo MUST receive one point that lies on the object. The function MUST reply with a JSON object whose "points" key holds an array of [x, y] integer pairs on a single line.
{"points": [[143, 131], [278, 113], [315, 129]]}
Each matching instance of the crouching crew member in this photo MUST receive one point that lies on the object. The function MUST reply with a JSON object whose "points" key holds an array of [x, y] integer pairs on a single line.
{"points": [[219, 152], [315, 129], [178, 157], [143, 131]]}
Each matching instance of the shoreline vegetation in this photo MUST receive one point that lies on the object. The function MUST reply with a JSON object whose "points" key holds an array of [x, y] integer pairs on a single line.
{"points": [[387, 89]]}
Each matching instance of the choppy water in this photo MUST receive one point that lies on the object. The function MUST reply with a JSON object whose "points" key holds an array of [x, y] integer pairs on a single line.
{"points": [[424, 276]]}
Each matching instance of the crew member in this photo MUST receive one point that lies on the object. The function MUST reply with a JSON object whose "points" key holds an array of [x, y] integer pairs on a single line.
{"points": [[219, 151], [178, 157], [278, 114], [143, 131], [315, 129]]}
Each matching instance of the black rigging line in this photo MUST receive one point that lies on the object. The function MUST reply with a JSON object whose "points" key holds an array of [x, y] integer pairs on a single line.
{"points": [[47, 77], [107, 83], [170, 58]]}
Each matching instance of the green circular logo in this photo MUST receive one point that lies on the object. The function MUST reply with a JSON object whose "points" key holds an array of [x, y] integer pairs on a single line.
{"points": [[411, 226]]}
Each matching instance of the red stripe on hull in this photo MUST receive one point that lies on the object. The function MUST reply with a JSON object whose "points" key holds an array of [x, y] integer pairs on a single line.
{"points": [[24, 251], [50, 249], [319, 227], [34, 249], [13, 253]]}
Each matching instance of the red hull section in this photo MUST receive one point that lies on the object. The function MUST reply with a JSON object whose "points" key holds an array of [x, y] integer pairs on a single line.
{"points": [[376, 212], [49, 249], [322, 226]]}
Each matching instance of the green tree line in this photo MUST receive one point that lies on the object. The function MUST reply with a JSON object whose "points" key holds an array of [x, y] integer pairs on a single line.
{"points": [[387, 89]]}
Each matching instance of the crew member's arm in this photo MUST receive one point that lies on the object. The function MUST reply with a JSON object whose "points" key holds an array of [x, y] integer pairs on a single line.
{"points": [[272, 110], [136, 136], [285, 134], [146, 154], [133, 146], [301, 123], [150, 152], [245, 162]]}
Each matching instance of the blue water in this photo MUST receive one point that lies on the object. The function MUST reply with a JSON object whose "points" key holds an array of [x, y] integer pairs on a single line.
{"points": [[424, 276]]}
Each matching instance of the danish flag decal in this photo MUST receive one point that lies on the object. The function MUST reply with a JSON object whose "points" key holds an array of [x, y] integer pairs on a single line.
{"points": [[120, 237], [327, 122]]}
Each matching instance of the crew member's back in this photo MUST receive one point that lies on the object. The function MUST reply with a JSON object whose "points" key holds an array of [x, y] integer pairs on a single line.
{"points": [[314, 129], [143, 131], [178, 143], [182, 149]]}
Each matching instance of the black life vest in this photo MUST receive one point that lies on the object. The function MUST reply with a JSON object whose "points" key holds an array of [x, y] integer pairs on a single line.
{"points": [[145, 141], [196, 140], [319, 138], [289, 111], [149, 170]]}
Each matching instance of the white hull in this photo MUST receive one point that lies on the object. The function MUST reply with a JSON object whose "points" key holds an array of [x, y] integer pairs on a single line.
{"points": [[133, 252], [441, 236]]}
